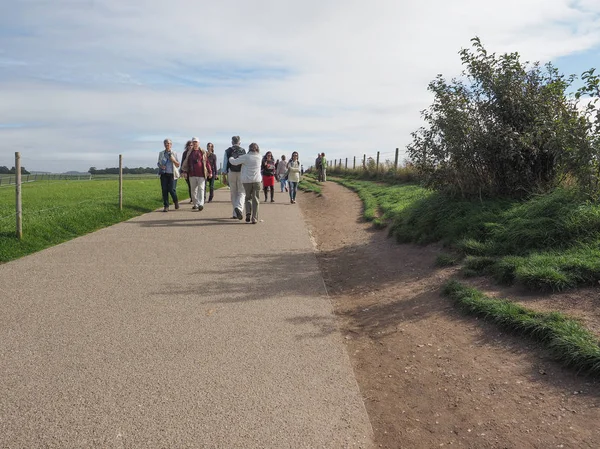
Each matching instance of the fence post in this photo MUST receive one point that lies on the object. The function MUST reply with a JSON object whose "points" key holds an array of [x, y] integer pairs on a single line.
{"points": [[396, 160], [354, 164], [18, 195], [377, 165], [120, 182], [346, 164], [364, 161]]}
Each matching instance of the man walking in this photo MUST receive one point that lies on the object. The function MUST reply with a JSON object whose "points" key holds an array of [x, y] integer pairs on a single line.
{"points": [[212, 161], [233, 176], [318, 167], [323, 170], [198, 170], [168, 170]]}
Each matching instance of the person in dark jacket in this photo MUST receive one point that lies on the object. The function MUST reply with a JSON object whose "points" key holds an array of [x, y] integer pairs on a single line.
{"points": [[188, 147], [211, 158]]}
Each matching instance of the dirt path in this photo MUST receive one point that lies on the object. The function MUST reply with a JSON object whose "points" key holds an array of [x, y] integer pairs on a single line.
{"points": [[431, 376]]}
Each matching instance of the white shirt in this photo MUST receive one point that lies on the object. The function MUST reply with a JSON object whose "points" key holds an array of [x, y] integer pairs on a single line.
{"points": [[250, 166]]}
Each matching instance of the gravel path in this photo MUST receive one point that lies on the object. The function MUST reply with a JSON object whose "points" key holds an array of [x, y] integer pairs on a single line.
{"points": [[179, 329]]}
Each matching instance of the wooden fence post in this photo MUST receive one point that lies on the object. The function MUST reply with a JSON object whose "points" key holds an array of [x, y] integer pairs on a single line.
{"points": [[19, 209], [377, 165], [346, 164], [120, 182], [396, 160], [354, 164], [364, 161]]}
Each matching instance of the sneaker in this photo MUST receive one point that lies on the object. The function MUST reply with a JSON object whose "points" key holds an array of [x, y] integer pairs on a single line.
{"points": [[254, 221], [238, 213], [200, 208], [177, 205], [195, 207], [247, 218], [272, 200], [165, 209]]}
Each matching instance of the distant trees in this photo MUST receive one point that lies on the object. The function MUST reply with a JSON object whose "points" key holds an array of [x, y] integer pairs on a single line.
{"points": [[6, 171], [126, 171], [507, 129]]}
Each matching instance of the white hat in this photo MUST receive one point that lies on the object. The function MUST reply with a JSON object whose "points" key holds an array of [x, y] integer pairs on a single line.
{"points": [[195, 139]]}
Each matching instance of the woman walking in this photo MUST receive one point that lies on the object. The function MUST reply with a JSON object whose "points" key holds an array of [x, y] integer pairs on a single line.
{"points": [[250, 177], [188, 147], [293, 170], [268, 175], [281, 169]]}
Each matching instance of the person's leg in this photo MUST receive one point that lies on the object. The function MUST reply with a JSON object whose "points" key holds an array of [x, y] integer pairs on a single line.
{"points": [[255, 201], [272, 188], [165, 190], [187, 180], [201, 185], [282, 183], [174, 193], [293, 187], [248, 189], [240, 192], [211, 185], [231, 181], [194, 180], [324, 175], [265, 190]]}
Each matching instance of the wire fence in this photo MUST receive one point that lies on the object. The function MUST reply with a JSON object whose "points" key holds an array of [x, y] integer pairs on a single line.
{"points": [[381, 165], [10, 180]]}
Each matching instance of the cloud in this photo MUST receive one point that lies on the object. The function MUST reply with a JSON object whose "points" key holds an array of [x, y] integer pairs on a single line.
{"points": [[88, 80]]}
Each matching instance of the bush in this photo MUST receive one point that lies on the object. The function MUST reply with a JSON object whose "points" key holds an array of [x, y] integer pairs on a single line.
{"points": [[506, 130]]}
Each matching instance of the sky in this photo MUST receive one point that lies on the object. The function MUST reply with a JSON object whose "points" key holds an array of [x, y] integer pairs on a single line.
{"points": [[83, 81]]}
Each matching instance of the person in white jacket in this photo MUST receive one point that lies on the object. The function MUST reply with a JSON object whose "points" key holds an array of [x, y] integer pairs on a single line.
{"points": [[250, 177]]}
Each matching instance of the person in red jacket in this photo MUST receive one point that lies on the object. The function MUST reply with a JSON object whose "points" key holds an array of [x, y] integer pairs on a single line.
{"points": [[198, 170]]}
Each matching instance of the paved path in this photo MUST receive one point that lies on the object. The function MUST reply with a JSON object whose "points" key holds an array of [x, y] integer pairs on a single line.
{"points": [[176, 330]]}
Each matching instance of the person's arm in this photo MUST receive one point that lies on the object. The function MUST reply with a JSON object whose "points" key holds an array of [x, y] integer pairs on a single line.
{"points": [[209, 170], [174, 159], [294, 169], [225, 159], [239, 161], [158, 164]]}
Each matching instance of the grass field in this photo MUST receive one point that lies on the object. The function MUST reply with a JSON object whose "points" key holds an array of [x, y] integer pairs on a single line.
{"points": [[57, 211]]}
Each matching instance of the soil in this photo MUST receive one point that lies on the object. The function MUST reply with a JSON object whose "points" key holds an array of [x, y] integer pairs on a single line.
{"points": [[431, 376]]}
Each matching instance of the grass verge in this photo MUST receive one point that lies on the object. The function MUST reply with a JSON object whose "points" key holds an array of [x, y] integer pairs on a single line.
{"points": [[310, 184], [548, 242], [567, 340]]}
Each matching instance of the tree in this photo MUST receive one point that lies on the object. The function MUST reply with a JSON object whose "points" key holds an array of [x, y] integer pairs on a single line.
{"points": [[504, 129]]}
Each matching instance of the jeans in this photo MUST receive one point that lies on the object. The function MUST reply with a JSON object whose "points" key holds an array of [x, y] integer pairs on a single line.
{"points": [[167, 185], [293, 188], [210, 188], [252, 199], [283, 183]]}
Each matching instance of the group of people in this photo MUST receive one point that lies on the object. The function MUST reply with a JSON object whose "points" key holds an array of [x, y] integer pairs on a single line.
{"points": [[246, 174]]}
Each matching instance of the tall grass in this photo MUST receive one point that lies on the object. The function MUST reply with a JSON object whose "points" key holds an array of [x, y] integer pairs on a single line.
{"points": [[54, 212]]}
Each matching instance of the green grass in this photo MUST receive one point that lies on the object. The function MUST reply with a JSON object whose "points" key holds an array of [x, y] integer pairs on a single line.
{"points": [[548, 242], [57, 211], [310, 184], [567, 340]]}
